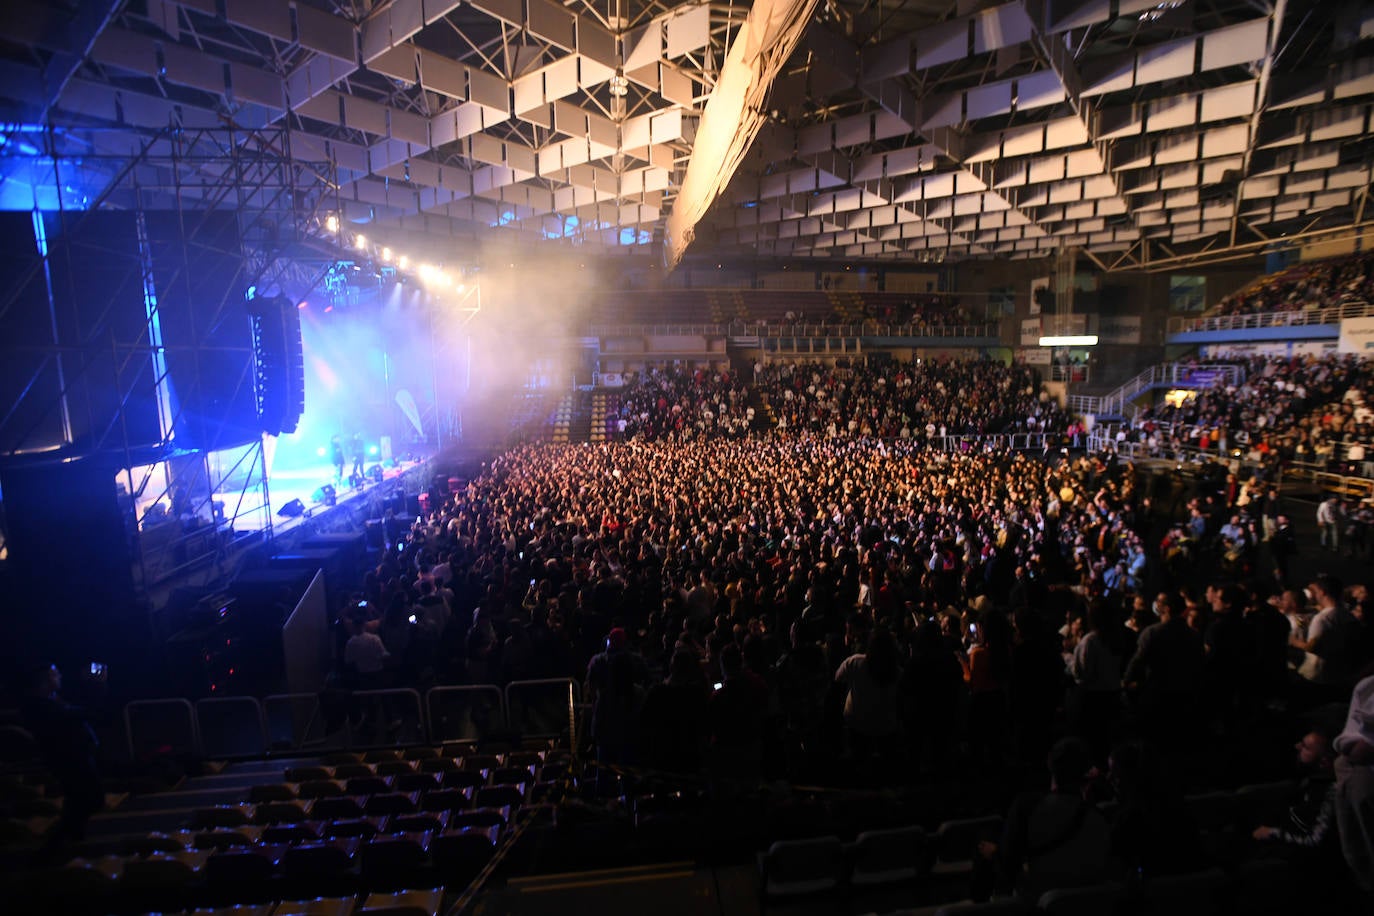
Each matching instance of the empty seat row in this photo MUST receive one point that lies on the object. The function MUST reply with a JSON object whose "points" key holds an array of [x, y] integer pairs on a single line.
{"points": [[383, 804]]}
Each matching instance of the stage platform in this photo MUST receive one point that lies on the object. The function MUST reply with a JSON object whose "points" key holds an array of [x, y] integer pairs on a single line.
{"points": [[304, 483]]}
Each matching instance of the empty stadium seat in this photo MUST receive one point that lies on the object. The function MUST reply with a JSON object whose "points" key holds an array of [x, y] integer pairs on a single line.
{"points": [[887, 856], [795, 867]]}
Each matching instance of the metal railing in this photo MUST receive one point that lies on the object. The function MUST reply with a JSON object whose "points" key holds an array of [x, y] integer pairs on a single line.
{"points": [[461, 713], [805, 330], [240, 731], [1332, 314], [166, 727], [539, 708], [1176, 375]]}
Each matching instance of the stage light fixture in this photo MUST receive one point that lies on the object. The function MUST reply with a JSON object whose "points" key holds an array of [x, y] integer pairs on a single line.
{"points": [[403, 262], [326, 494], [360, 242], [375, 473], [372, 449], [292, 509], [320, 451], [331, 223], [386, 255]]}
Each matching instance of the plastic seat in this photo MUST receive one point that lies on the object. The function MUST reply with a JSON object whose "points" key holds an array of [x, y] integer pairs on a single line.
{"points": [[219, 816], [525, 759], [333, 809], [1093, 900], [437, 765], [287, 834], [423, 822], [801, 867], [463, 779], [321, 868], [480, 817], [364, 828], [320, 906], [279, 813], [1263, 803], [244, 874], [421, 753], [499, 796], [404, 903], [394, 862], [888, 856], [367, 785], [481, 762], [956, 842], [274, 792], [306, 774], [352, 771], [394, 767], [335, 758], [512, 775], [226, 839], [446, 800], [459, 854], [415, 782], [377, 755], [320, 788], [392, 803]]}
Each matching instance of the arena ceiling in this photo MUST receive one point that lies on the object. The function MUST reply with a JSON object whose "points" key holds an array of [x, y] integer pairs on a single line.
{"points": [[1137, 131]]}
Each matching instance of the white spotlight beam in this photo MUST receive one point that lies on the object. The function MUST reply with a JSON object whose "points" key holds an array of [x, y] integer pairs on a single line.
{"points": [[734, 113]]}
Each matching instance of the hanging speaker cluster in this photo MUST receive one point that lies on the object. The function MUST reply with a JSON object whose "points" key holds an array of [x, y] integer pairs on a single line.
{"points": [[280, 363]]}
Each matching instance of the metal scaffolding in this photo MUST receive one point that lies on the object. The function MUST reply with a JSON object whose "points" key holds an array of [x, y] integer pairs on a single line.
{"points": [[218, 497]]}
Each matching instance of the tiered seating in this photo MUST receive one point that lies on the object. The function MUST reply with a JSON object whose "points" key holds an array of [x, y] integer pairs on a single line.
{"points": [[652, 307], [773, 305], [598, 416], [374, 831], [561, 421]]}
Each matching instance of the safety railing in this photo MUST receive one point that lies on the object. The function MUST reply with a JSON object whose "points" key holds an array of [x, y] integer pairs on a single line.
{"points": [[383, 718], [995, 442], [766, 330], [300, 721], [161, 728], [463, 713], [1283, 319], [231, 727], [541, 708], [1189, 375]]}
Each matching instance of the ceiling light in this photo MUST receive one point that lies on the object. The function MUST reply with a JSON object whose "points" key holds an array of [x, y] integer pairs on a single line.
{"points": [[331, 223], [386, 255], [360, 242], [403, 262]]}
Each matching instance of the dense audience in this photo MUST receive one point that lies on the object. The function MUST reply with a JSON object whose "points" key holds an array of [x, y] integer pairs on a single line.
{"points": [[855, 610], [919, 401], [1304, 409], [1307, 286]]}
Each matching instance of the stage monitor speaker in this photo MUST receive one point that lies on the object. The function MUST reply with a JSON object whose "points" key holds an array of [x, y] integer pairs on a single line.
{"points": [[325, 494], [292, 509], [375, 473]]}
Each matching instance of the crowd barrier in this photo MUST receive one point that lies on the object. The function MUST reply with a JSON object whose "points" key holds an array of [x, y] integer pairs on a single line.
{"points": [[288, 723]]}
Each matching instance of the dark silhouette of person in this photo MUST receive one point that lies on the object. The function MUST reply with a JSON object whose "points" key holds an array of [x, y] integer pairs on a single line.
{"points": [[336, 457], [69, 748]]}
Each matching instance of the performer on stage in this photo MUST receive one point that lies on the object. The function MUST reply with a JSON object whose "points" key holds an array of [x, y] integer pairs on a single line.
{"points": [[336, 457], [357, 451]]}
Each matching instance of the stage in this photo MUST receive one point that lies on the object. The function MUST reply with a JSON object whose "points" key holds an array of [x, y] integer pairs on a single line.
{"points": [[172, 547], [285, 486]]}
